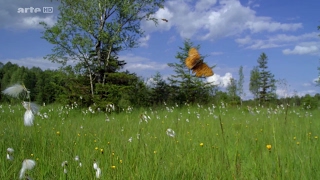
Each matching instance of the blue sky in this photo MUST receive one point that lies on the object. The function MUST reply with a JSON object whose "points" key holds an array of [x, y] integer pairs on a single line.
{"points": [[231, 33]]}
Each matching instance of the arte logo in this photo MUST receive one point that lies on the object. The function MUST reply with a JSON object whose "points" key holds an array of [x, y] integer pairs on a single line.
{"points": [[36, 10]]}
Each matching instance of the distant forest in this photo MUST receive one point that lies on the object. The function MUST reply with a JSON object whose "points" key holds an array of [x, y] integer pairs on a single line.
{"points": [[123, 89]]}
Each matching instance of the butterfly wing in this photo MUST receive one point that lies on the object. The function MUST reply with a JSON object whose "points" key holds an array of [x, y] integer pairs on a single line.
{"points": [[193, 59], [202, 69]]}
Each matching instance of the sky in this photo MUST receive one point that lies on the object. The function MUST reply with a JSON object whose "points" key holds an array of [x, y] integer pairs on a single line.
{"points": [[231, 33]]}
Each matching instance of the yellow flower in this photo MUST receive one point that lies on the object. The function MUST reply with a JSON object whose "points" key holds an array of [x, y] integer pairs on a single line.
{"points": [[58, 133], [31, 155], [120, 161], [298, 143], [113, 167], [101, 150], [269, 147], [316, 137], [155, 152], [201, 144], [294, 138], [96, 148]]}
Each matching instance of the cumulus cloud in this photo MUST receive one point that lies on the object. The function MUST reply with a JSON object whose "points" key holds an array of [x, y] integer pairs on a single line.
{"points": [[277, 40], [216, 19], [302, 50], [222, 81], [141, 64]]}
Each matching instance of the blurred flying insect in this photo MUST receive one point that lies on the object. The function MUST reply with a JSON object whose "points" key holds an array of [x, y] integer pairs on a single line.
{"points": [[196, 64], [165, 20]]}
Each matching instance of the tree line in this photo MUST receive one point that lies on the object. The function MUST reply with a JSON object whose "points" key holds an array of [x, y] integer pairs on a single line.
{"points": [[69, 85], [92, 34]]}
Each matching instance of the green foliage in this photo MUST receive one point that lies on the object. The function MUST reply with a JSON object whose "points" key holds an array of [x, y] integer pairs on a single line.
{"points": [[160, 90], [254, 82], [241, 93], [99, 29], [262, 82], [310, 102], [232, 90]]}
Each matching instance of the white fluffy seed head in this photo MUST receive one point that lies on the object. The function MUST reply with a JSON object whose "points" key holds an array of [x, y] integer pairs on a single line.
{"points": [[28, 118], [15, 90], [10, 150], [95, 166], [98, 173]]}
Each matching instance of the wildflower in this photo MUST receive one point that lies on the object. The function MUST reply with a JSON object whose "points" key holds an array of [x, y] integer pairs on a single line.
{"points": [[27, 164], [316, 137], [298, 143], [96, 148], [170, 133], [201, 144], [58, 133], [101, 150], [113, 167], [294, 138], [28, 118], [269, 147], [120, 161]]}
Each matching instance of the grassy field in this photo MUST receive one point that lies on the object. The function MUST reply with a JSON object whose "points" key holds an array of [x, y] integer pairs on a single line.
{"points": [[212, 142]]}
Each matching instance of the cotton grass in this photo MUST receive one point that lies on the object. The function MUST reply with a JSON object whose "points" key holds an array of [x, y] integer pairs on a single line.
{"points": [[27, 164]]}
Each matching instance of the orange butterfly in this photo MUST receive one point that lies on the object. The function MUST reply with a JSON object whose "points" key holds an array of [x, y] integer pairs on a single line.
{"points": [[197, 65]]}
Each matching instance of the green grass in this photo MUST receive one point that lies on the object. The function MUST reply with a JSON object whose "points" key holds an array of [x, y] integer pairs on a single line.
{"points": [[232, 149]]}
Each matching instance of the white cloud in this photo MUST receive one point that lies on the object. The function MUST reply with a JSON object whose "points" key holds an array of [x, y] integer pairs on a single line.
{"points": [[222, 81], [144, 41], [142, 65], [33, 62], [215, 20], [302, 50], [275, 40], [306, 84], [33, 22]]}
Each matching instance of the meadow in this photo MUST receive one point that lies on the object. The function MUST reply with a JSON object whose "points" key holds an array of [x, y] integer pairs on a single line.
{"points": [[189, 142]]}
